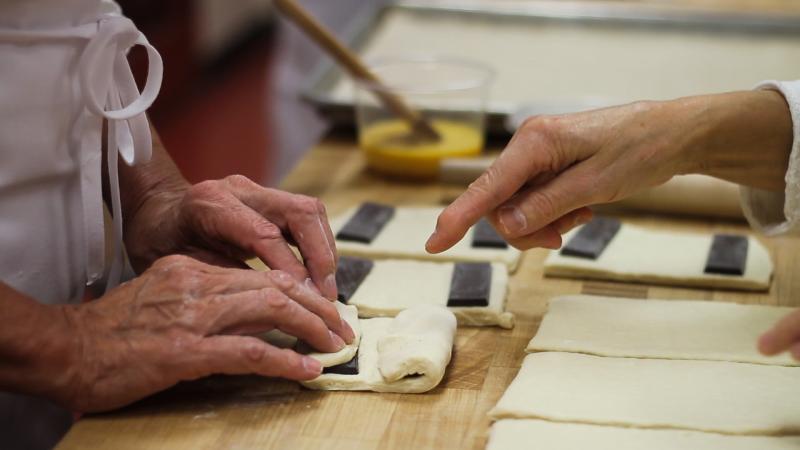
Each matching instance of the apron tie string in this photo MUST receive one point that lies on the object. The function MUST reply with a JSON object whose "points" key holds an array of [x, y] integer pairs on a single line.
{"points": [[109, 92]]}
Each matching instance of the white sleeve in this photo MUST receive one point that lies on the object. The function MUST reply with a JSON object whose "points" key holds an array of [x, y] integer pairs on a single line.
{"points": [[779, 212]]}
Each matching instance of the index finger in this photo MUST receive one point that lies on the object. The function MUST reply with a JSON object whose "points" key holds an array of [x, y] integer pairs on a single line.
{"points": [[509, 172], [257, 311], [308, 224], [232, 281], [251, 232], [305, 219]]}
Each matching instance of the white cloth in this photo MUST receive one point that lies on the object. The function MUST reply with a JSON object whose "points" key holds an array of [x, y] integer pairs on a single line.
{"points": [[779, 212], [64, 70]]}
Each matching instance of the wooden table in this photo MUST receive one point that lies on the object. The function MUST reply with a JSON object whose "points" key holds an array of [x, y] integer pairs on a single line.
{"points": [[251, 412]]}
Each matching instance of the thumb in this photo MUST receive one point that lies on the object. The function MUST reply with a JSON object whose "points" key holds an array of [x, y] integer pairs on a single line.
{"points": [[539, 206]]}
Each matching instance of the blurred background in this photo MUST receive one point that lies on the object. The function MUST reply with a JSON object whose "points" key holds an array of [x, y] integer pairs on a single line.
{"points": [[235, 97], [230, 101]]}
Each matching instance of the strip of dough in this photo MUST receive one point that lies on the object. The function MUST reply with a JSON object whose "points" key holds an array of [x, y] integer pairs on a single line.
{"points": [[346, 312], [668, 329], [661, 257], [527, 433], [723, 397], [427, 283], [348, 352], [407, 354], [405, 236]]}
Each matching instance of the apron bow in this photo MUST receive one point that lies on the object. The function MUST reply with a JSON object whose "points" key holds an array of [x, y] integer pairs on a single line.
{"points": [[109, 92]]}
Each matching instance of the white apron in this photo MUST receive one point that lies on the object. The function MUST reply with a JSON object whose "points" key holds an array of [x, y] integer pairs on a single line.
{"points": [[63, 70]]}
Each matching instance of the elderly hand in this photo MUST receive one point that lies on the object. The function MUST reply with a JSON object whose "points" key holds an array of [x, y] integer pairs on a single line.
{"points": [[784, 336], [555, 167], [227, 221], [183, 319]]}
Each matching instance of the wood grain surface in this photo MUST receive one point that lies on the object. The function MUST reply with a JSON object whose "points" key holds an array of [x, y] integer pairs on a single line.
{"points": [[251, 412]]}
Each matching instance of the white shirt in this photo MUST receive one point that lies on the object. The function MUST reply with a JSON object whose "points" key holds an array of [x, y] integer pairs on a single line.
{"points": [[779, 212]]}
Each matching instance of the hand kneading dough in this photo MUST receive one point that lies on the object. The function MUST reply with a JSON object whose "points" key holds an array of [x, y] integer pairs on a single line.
{"points": [[407, 354], [661, 257], [523, 434], [404, 236], [428, 284], [350, 315], [658, 329], [723, 397]]}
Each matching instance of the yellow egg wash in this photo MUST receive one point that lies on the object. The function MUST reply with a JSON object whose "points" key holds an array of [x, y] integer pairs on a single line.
{"points": [[392, 149]]}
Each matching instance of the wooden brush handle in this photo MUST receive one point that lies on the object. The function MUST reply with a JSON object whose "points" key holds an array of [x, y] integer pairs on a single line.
{"points": [[352, 63]]}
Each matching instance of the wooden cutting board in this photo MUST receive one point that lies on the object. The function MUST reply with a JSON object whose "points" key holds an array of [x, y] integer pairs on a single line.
{"points": [[252, 412]]}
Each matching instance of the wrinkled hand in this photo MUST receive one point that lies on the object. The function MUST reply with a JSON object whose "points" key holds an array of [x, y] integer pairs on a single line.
{"points": [[227, 221], [555, 166], [183, 319], [784, 336]]}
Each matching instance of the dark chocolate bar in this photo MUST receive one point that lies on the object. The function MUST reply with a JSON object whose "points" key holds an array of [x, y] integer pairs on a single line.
{"points": [[590, 241], [350, 273], [485, 236], [366, 223], [348, 368], [470, 285], [728, 255]]}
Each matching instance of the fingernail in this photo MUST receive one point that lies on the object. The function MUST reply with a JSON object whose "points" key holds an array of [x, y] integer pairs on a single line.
{"points": [[430, 240], [311, 365], [512, 219], [310, 285], [330, 286], [339, 342]]}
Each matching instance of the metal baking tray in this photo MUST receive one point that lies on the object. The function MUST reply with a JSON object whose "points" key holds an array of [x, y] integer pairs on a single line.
{"points": [[638, 20]]}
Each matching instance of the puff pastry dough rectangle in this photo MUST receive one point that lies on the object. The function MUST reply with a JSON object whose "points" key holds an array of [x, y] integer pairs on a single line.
{"points": [[671, 329], [520, 434], [661, 257], [723, 397], [395, 285], [404, 236], [406, 354]]}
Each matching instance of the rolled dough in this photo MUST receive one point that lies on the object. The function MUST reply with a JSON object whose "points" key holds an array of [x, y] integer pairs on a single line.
{"points": [[723, 397], [520, 434], [697, 195], [350, 315], [407, 354], [427, 283], [405, 236], [661, 257], [668, 329]]}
